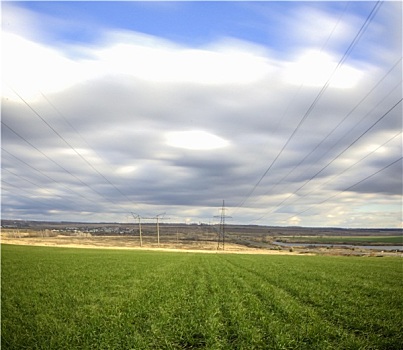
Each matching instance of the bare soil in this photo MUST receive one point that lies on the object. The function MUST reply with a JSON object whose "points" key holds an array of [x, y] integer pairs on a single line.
{"points": [[200, 244], [125, 242]]}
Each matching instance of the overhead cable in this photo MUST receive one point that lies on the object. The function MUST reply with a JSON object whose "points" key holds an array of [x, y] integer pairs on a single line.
{"points": [[60, 166], [85, 141], [47, 176], [70, 146], [348, 188], [341, 122], [330, 179], [317, 98]]}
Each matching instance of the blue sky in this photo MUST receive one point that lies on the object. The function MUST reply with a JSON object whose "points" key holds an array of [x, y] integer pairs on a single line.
{"points": [[114, 107], [188, 23]]}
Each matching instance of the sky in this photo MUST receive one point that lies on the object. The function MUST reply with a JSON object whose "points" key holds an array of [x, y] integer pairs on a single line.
{"points": [[290, 112]]}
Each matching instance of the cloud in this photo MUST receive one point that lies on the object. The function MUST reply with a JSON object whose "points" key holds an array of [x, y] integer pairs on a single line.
{"points": [[177, 129], [131, 54]]}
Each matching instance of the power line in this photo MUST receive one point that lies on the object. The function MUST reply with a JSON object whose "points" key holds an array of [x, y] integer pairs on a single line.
{"points": [[69, 145], [397, 86], [36, 199], [68, 123], [60, 166], [293, 98], [348, 188], [343, 151], [349, 167], [89, 146], [352, 143], [329, 150], [45, 175], [341, 122], [331, 179], [36, 185], [317, 98]]}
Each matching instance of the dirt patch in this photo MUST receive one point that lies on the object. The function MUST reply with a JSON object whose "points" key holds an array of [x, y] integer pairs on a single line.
{"points": [[185, 246], [132, 243]]}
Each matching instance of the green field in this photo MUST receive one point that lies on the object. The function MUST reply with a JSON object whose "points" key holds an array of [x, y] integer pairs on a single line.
{"points": [[59, 298], [370, 240]]}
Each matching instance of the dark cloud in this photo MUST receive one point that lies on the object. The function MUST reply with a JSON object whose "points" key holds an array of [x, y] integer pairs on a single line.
{"points": [[108, 153]]}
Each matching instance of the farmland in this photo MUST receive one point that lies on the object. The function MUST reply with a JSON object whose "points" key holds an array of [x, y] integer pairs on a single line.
{"points": [[241, 238], [64, 298], [373, 240]]}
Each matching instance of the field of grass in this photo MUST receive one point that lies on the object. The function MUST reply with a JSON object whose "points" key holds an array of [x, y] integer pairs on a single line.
{"points": [[370, 240], [64, 298]]}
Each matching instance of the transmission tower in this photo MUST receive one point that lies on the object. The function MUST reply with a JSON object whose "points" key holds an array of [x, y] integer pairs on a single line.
{"points": [[158, 226], [221, 233], [136, 216], [156, 217]]}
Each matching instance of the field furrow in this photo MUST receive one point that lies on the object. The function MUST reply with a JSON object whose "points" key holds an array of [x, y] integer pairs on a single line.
{"points": [[55, 298], [346, 296], [301, 322]]}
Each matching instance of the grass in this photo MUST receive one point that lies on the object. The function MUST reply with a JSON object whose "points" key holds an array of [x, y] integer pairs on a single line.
{"points": [[57, 298], [370, 240]]}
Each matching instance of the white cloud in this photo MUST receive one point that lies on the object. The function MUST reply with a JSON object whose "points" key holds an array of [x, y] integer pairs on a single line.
{"points": [[126, 170], [166, 64], [195, 140], [31, 68], [315, 68], [313, 27], [181, 128]]}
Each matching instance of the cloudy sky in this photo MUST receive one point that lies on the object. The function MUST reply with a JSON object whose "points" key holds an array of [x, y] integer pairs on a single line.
{"points": [[288, 111]]}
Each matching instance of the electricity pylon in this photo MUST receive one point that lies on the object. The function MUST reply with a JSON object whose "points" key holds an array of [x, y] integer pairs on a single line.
{"points": [[158, 227], [136, 216], [156, 217], [221, 234]]}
